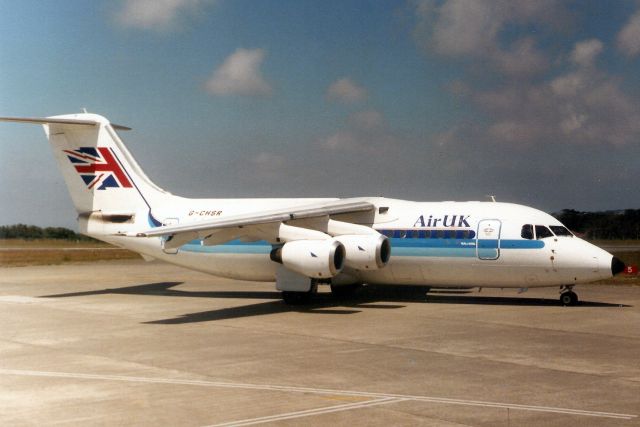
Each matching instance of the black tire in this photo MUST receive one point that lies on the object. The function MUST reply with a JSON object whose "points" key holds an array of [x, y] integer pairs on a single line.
{"points": [[574, 298], [345, 290], [569, 298]]}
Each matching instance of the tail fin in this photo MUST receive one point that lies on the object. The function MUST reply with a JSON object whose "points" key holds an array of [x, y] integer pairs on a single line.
{"points": [[101, 175]]}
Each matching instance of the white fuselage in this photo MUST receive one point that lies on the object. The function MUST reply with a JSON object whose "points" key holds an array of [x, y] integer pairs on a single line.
{"points": [[448, 244]]}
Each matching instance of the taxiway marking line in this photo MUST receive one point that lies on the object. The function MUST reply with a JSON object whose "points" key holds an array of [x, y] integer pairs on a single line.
{"points": [[309, 412], [293, 389]]}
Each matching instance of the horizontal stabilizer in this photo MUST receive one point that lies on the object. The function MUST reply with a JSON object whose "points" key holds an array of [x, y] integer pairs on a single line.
{"points": [[48, 120]]}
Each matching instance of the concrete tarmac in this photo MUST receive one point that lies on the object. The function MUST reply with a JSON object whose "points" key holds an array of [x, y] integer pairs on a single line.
{"points": [[134, 343]]}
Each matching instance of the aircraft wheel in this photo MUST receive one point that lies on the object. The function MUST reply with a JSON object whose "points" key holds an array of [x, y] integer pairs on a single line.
{"points": [[344, 290], [569, 298]]}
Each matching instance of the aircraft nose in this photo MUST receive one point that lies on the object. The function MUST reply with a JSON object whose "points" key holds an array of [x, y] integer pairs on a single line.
{"points": [[617, 266]]}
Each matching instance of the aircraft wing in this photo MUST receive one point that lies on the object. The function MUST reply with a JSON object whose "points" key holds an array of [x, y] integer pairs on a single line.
{"points": [[180, 234]]}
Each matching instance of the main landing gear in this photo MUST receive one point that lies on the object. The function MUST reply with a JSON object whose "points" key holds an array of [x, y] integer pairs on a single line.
{"points": [[300, 298], [567, 296]]}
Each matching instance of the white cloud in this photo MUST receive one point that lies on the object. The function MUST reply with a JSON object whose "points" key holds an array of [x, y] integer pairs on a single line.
{"points": [[155, 14], [584, 53], [466, 27], [583, 107], [568, 85], [239, 74], [471, 30], [577, 104], [522, 59], [347, 91], [629, 36], [471, 27]]}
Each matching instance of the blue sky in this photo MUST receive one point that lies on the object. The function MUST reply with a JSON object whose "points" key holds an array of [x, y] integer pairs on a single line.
{"points": [[534, 102]]}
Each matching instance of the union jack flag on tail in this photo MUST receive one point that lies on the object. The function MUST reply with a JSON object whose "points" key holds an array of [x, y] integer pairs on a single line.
{"points": [[98, 168]]}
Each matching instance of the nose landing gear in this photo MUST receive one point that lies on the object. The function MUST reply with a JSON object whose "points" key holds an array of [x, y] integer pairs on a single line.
{"points": [[567, 296]]}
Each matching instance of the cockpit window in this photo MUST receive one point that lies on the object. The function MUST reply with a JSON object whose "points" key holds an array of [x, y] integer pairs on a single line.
{"points": [[542, 232], [559, 230], [527, 232]]}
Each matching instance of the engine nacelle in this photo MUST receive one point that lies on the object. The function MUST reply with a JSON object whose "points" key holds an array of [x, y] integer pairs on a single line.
{"points": [[320, 259], [366, 252]]}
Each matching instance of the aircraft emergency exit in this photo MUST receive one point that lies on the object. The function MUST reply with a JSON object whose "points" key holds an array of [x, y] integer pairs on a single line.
{"points": [[302, 243]]}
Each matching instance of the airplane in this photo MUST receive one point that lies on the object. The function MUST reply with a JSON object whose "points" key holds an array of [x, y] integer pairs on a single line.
{"points": [[302, 243]]}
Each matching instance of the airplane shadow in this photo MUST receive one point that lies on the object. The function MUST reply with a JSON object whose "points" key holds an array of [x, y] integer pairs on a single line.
{"points": [[166, 289], [368, 298]]}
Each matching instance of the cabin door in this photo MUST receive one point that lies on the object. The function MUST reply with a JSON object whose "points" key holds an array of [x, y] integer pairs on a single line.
{"points": [[488, 239]]}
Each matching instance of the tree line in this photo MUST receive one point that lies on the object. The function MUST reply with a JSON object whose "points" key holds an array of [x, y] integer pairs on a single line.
{"points": [[622, 224], [22, 231]]}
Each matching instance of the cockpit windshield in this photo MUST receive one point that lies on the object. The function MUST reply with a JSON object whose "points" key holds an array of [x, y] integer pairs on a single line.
{"points": [[559, 230], [530, 231], [542, 232]]}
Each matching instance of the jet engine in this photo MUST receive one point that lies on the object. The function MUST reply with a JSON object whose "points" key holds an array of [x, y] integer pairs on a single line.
{"points": [[320, 259], [369, 252]]}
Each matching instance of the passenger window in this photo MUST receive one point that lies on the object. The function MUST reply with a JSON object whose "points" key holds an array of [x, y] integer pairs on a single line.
{"points": [[414, 234], [559, 230], [527, 232], [403, 234], [542, 232], [388, 233], [440, 234]]}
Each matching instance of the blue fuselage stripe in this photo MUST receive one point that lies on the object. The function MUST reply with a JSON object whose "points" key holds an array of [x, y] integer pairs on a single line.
{"points": [[400, 247]]}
